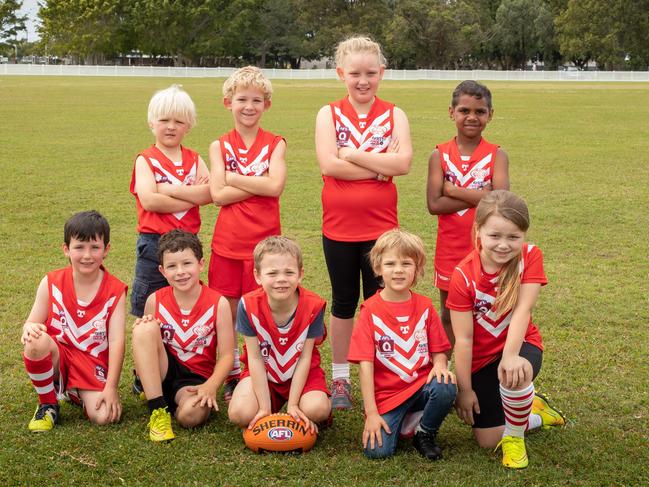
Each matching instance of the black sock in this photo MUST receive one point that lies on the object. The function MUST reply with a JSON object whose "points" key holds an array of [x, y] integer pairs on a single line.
{"points": [[156, 403]]}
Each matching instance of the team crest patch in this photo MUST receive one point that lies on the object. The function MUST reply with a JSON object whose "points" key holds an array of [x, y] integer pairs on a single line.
{"points": [[386, 346], [378, 135], [189, 180], [259, 168], [342, 136], [100, 373], [422, 342], [264, 348], [481, 307], [231, 163], [161, 178], [167, 332], [100, 330], [450, 176], [479, 173], [63, 320], [404, 329], [299, 346], [81, 313]]}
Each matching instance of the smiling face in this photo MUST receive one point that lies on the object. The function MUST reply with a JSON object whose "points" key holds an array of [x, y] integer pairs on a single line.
{"points": [[86, 257], [181, 269], [471, 116], [398, 273], [247, 106], [169, 131], [279, 275], [500, 241], [361, 72]]}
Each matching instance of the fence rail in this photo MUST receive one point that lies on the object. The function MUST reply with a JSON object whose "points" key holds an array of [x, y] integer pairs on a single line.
{"points": [[306, 74]]}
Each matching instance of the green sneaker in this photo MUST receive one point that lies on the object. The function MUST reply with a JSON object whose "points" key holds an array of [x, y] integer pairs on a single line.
{"points": [[550, 416], [45, 417], [514, 453], [160, 425]]}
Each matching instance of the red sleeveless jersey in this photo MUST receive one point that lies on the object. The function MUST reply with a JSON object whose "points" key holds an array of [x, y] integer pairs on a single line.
{"points": [[399, 344], [281, 348], [355, 211], [191, 338], [82, 329], [242, 225], [474, 290], [166, 171], [454, 240]]}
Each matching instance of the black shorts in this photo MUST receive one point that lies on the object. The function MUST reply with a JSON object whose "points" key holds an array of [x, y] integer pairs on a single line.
{"points": [[347, 263], [178, 376], [487, 388]]}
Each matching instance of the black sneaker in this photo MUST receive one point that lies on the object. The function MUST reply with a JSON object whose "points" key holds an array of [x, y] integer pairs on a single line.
{"points": [[45, 417], [137, 388], [228, 389], [425, 444]]}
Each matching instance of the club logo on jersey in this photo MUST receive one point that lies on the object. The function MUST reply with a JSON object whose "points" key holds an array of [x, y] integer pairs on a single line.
{"points": [[81, 313], [180, 172], [404, 329], [481, 307], [362, 124], [299, 346], [100, 373], [478, 173], [283, 341], [189, 180], [259, 168], [386, 346], [465, 167], [167, 332], [422, 339], [231, 163], [264, 348], [450, 176], [378, 135], [161, 178], [477, 184], [342, 136], [63, 320], [202, 330], [100, 330]]}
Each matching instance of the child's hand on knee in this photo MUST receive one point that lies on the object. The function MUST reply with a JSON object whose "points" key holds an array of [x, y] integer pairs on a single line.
{"points": [[514, 371], [110, 398], [31, 331], [372, 431], [299, 416], [205, 396]]}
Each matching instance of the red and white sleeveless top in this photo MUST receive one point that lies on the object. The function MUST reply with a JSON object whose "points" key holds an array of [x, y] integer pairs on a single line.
{"points": [[474, 290], [454, 229], [191, 338], [355, 211], [82, 327], [166, 171], [242, 225], [281, 348], [399, 338]]}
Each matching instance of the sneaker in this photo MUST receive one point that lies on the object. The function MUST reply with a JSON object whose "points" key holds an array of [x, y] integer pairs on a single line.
{"points": [[514, 453], [137, 388], [45, 417], [228, 389], [425, 444], [341, 397], [160, 425], [550, 416]]}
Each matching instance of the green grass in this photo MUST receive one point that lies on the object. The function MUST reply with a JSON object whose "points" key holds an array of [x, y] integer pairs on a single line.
{"points": [[579, 155]]}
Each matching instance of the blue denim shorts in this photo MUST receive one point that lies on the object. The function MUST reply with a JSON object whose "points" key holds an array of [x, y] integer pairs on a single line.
{"points": [[147, 278]]}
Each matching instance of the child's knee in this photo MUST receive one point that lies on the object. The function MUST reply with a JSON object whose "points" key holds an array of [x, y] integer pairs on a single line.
{"points": [[317, 409], [443, 393], [37, 348], [191, 416], [378, 452], [145, 332], [100, 417]]}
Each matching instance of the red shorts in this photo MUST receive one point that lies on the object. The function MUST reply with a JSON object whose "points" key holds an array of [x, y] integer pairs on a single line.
{"points": [[79, 370], [315, 381], [231, 277], [441, 281]]}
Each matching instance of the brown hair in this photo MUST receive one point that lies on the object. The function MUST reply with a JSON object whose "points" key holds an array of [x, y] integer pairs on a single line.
{"points": [[406, 244], [86, 226], [510, 207], [471, 88], [247, 77], [177, 240], [276, 244]]}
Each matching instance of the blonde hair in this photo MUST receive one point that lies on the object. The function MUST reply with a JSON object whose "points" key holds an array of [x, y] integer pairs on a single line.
{"points": [[172, 101], [510, 207], [247, 77], [406, 244], [276, 244], [358, 44]]}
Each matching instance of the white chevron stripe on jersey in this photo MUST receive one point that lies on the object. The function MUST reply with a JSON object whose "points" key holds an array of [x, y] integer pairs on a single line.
{"points": [[173, 180], [368, 142], [403, 375], [185, 336], [229, 149], [353, 132], [464, 178], [403, 344], [488, 319]]}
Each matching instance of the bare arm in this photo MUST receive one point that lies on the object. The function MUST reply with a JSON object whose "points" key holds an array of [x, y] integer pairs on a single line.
{"points": [[326, 150], [35, 323], [221, 193], [439, 202], [259, 379], [373, 420], [466, 402], [197, 193], [147, 192], [500, 180], [271, 183], [297, 383], [395, 163]]}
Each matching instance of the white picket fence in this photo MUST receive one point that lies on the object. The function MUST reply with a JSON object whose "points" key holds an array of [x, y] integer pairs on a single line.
{"points": [[306, 74]]}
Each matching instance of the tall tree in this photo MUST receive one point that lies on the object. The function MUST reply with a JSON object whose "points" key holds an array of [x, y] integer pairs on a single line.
{"points": [[10, 22]]}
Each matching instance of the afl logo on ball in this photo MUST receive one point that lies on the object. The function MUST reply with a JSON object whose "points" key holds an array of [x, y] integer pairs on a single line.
{"points": [[280, 434]]}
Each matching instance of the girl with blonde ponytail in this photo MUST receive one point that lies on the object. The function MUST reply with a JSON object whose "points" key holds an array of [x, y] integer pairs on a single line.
{"points": [[498, 349]]}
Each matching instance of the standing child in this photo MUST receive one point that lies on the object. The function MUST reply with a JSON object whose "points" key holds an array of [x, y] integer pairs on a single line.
{"points": [[248, 176], [74, 335], [498, 349], [362, 142], [282, 325], [460, 172], [400, 345], [169, 182], [182, 346]]}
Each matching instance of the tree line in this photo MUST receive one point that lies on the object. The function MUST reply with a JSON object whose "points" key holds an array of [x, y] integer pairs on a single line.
{"points": [[415, 34]]}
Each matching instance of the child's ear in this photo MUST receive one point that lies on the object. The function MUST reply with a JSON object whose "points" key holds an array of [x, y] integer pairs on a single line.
{"points": [[255, 272], [301, 275], [450, 112], [201, 264], [381, 71], [491, 114], [341, 73], [66, 250], [106, 249], [227, 102], [267, 104]]}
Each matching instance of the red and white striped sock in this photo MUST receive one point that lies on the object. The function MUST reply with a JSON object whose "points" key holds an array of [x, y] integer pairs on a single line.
{"points": [[517, 406], [41, 373]]}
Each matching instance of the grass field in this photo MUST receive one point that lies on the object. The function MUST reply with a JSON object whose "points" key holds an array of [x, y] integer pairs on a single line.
{"points": [[579, 155]]}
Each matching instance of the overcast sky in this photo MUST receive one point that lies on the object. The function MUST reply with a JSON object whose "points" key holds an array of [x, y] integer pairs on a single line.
{"points": [[30, 8]]}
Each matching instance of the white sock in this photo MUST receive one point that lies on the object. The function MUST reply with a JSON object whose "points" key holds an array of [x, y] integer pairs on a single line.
{"points": [[340, 371], [534, 422], [236, 366], [517, 406]]}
